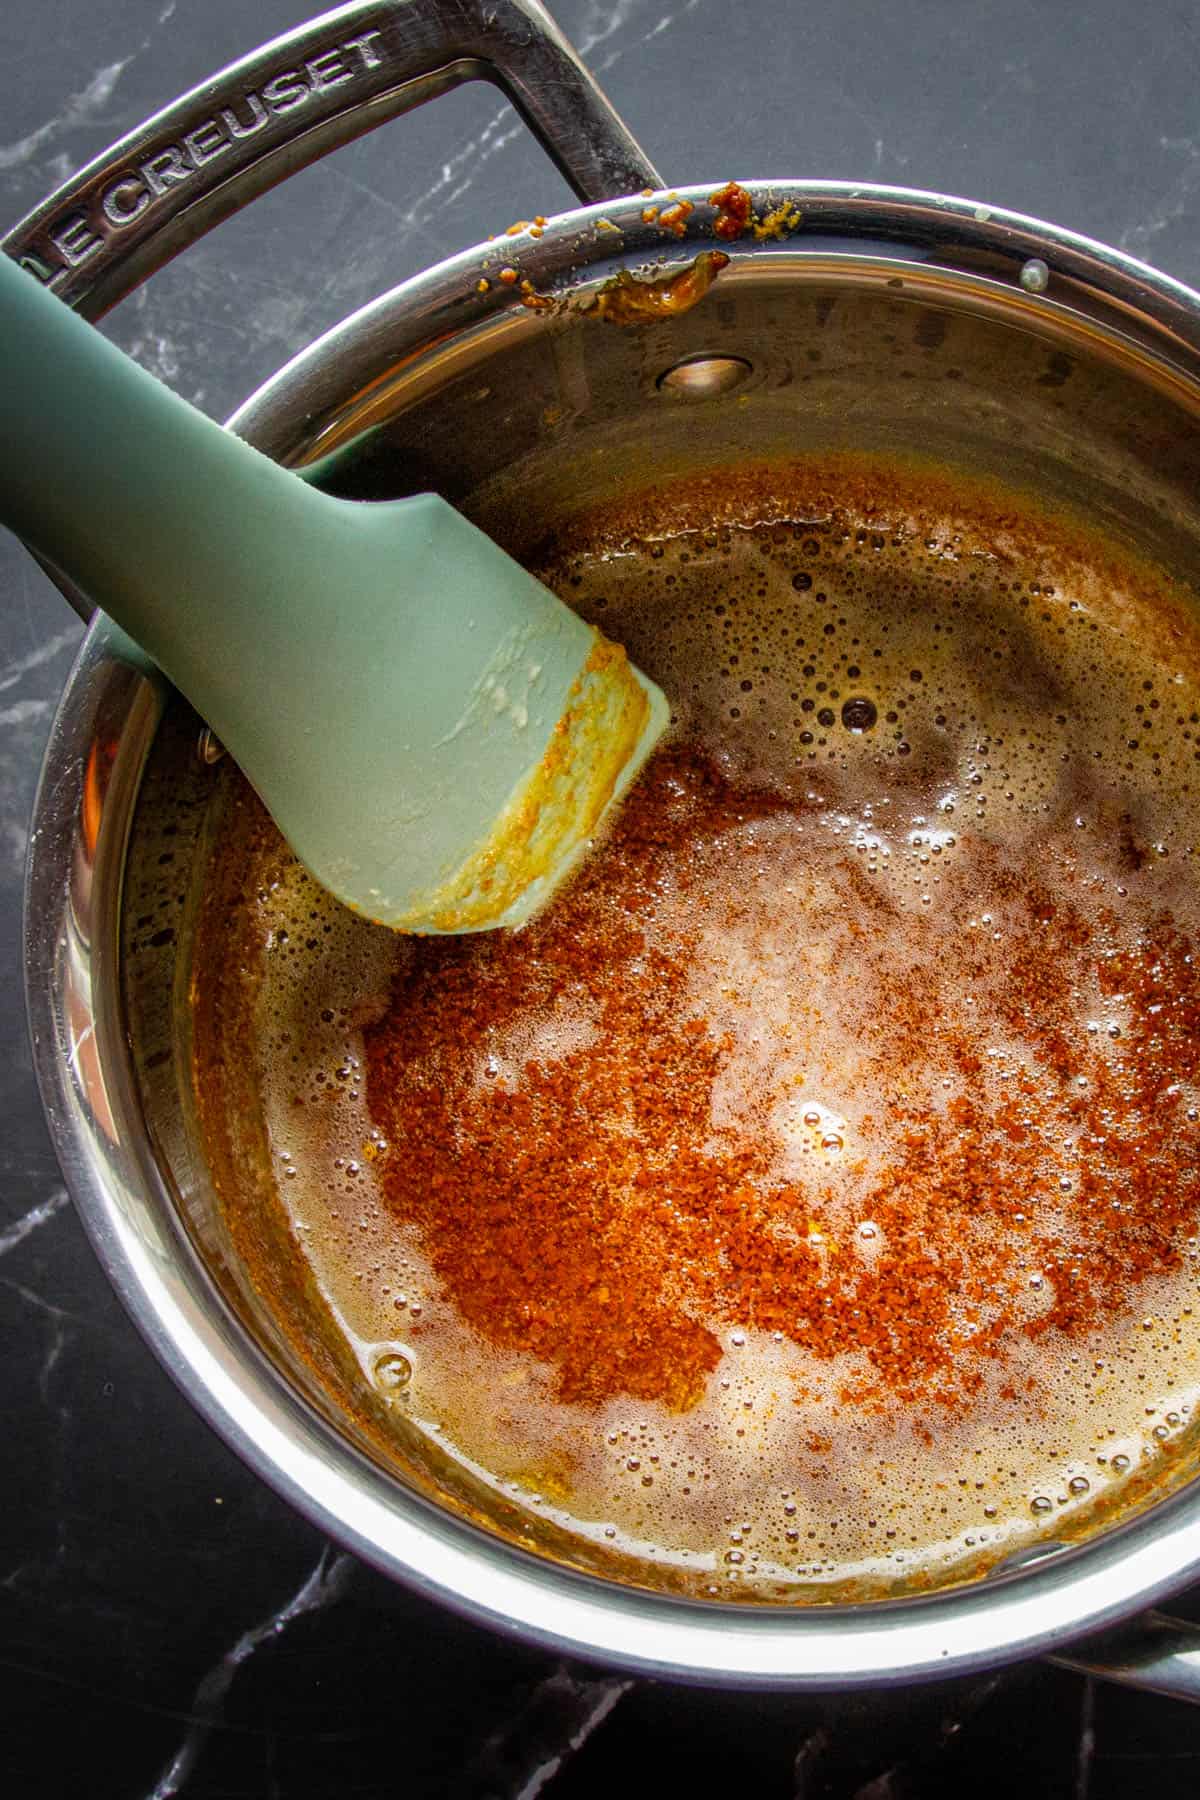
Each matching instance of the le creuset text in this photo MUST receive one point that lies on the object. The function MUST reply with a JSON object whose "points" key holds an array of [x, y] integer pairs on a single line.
{"points": [[125, 200]]}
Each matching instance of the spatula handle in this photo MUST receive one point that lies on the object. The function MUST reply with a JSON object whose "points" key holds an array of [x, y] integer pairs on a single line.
{"points": [[169, 523]]}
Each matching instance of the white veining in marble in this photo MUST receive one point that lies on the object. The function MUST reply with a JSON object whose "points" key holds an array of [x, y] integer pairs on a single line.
{"points": [[13, 671], [38, 1215], [603, 23], [454, 178], [60, 167], [597, 1699], [322, 1588], [24, 712], [1177, 202], [1086, 1753], [153, 348], [84, 108], [489, 143], [809, 1758], [87, 104], [14, 842], [39, 1302], [24, 719], [63, 1328], [557, 1717]]}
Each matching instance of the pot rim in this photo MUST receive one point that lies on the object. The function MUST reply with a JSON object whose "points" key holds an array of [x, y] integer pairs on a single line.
{"points": [[906, 237], [89, 1092]]}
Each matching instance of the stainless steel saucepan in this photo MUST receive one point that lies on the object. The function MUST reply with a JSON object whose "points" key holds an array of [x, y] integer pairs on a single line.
{"points": [[879, 319]]}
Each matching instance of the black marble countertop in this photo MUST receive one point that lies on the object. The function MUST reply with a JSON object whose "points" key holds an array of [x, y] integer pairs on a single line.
{"points": [[167, 1625]]}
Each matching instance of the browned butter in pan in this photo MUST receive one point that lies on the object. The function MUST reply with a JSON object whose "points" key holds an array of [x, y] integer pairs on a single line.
{"points": [[808, 1200]]}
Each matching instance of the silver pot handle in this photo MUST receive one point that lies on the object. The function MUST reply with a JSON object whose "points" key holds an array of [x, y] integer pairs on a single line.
{"points": [[1152, 1651], [283, 106]]}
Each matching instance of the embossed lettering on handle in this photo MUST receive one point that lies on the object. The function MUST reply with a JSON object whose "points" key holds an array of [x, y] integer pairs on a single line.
{"points": [[282, 107]]}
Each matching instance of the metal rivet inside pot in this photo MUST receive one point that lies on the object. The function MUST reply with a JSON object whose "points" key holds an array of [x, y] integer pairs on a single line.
{"points": [[702, 377], [1035, 276]]}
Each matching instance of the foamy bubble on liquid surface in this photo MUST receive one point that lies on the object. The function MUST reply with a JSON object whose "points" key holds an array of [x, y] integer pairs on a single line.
{"points": [[545, 1035], [1016, 729]]}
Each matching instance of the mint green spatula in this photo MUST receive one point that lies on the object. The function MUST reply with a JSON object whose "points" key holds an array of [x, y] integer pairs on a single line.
{"points": [[436, 735]]}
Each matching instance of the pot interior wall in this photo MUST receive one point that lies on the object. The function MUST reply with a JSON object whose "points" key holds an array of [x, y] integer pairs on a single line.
{"points": [[527, 421]]}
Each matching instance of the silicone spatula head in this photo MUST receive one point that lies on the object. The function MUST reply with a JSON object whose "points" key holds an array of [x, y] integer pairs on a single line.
{"points": [[441, 740], [435, 733]]}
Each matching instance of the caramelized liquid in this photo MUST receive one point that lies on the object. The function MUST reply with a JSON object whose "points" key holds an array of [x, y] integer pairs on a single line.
{"points": [[808, 1200]]}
